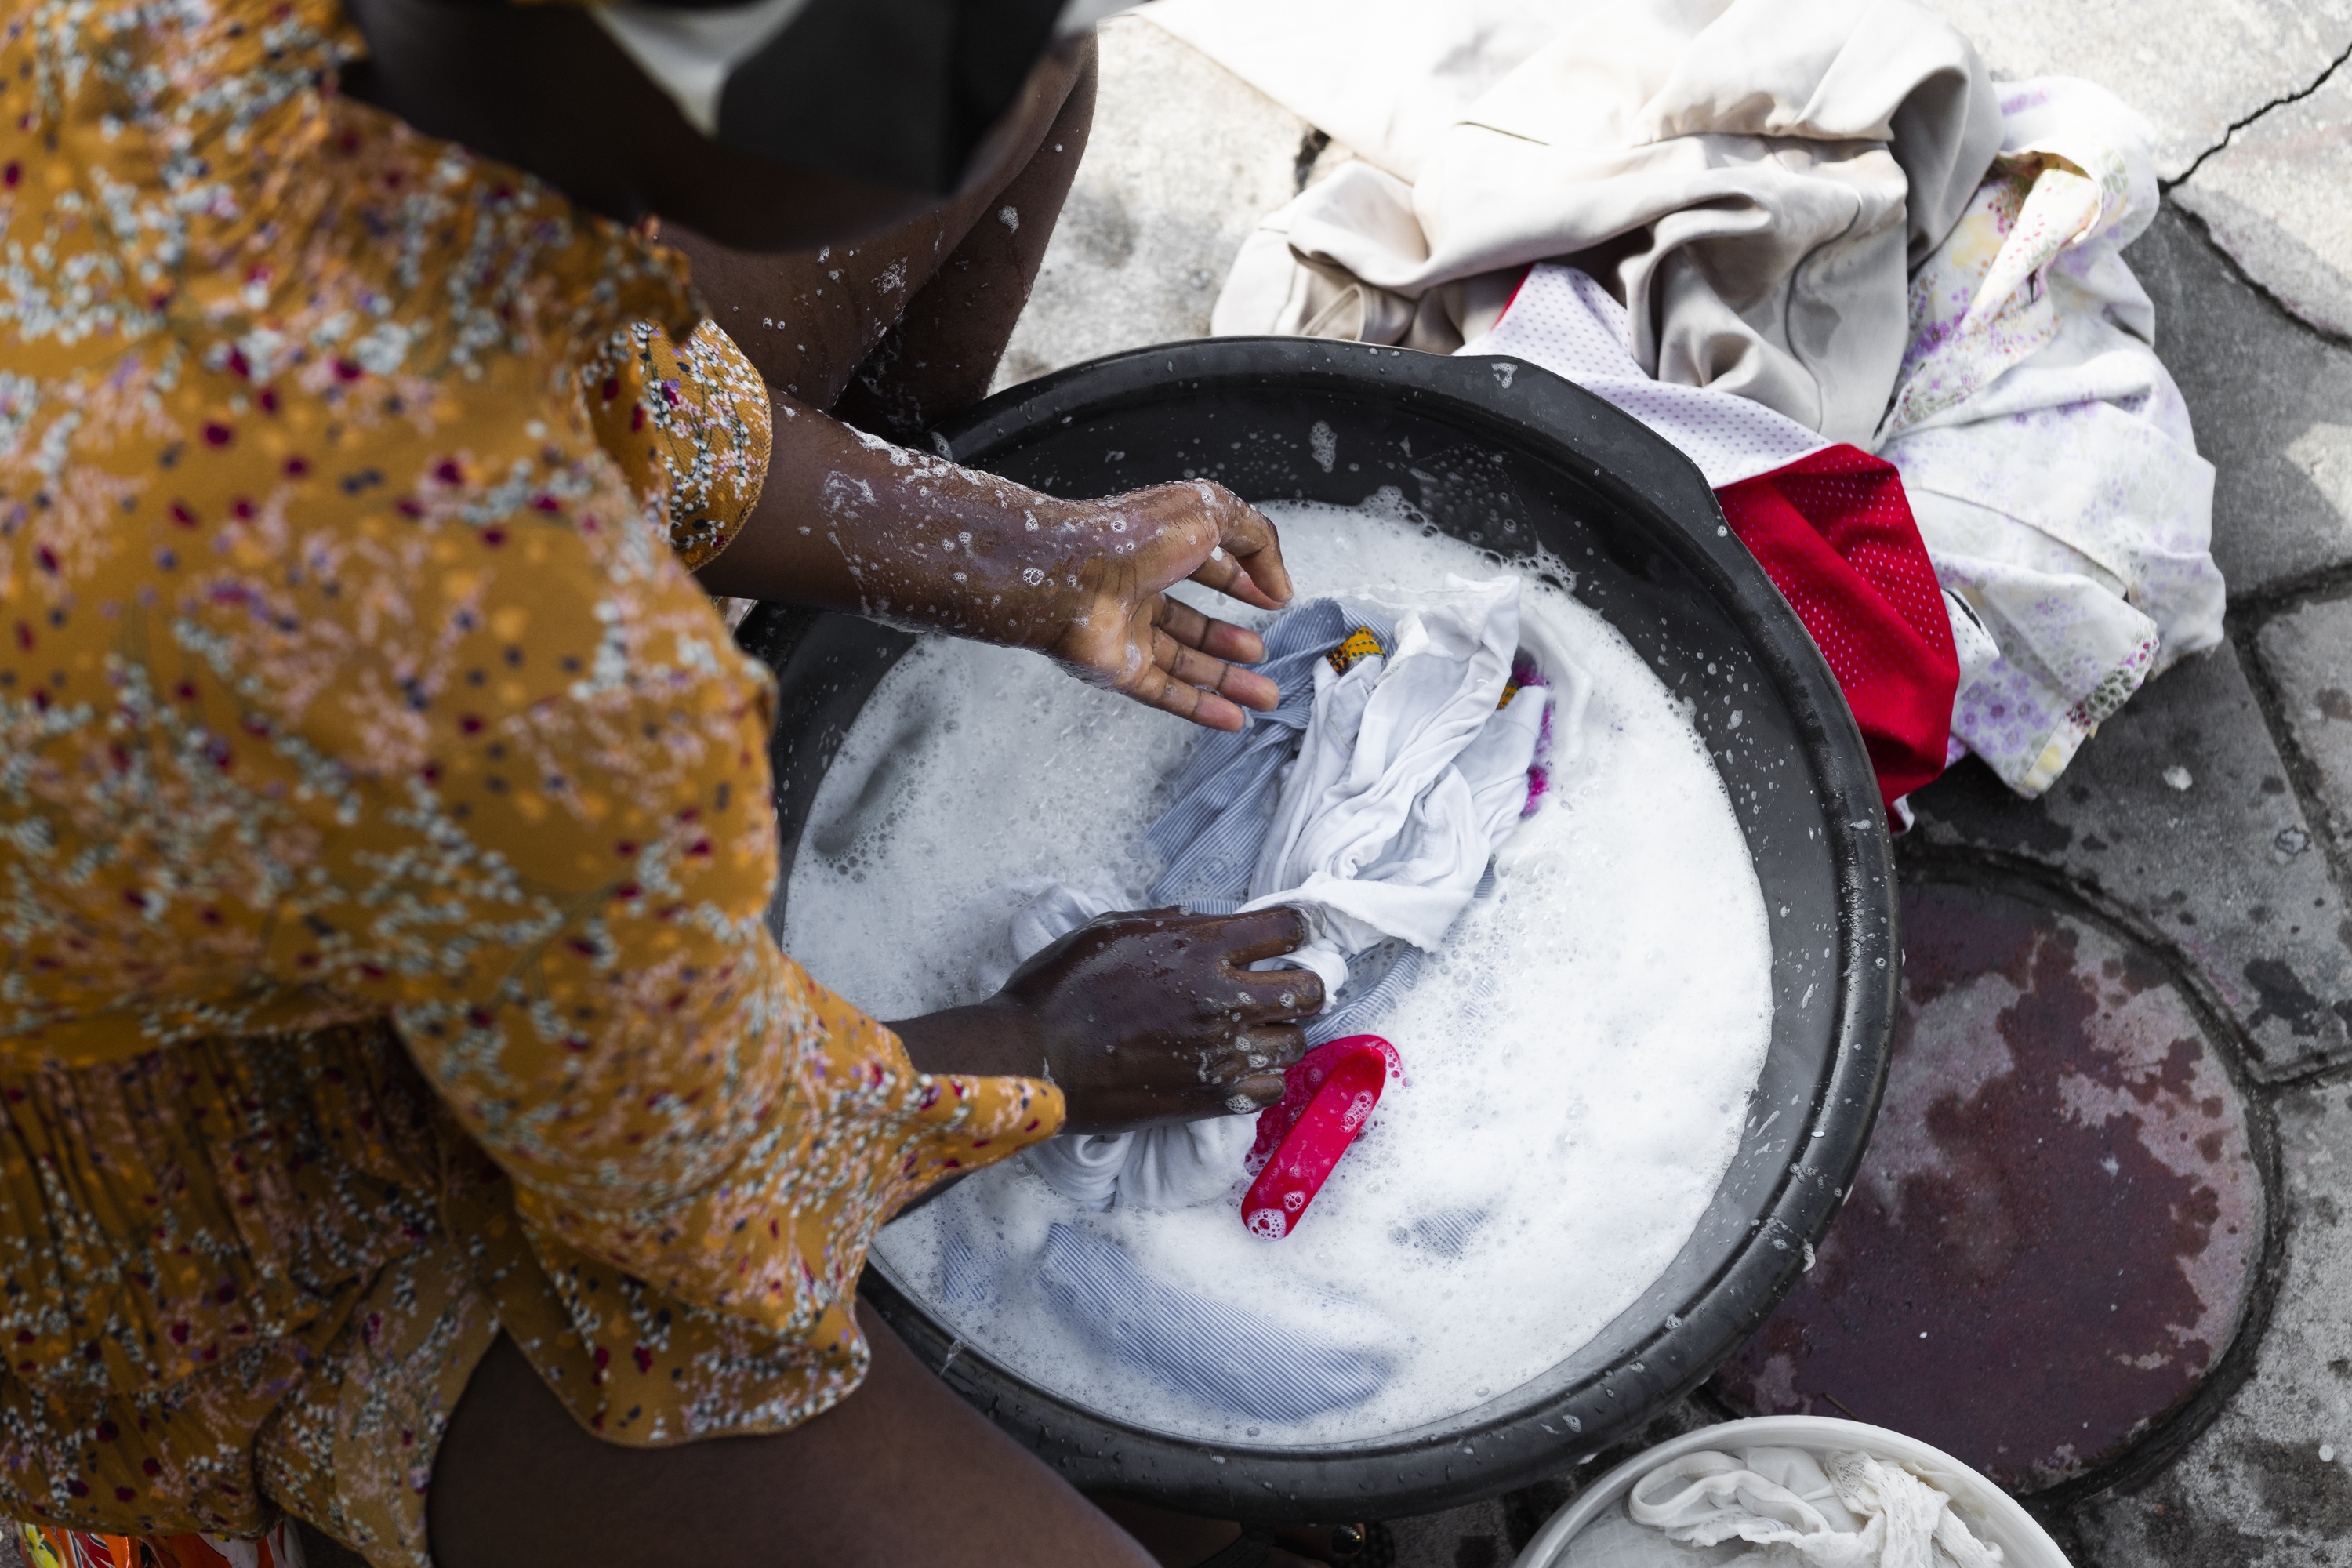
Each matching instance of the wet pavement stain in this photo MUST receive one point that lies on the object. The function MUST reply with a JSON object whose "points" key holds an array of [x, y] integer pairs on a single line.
{"points": [[2283, 996], [2299, 1489], [2051, 1238]]}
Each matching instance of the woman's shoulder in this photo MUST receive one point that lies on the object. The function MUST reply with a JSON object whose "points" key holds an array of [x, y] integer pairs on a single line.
{"points": [[188, 175]]}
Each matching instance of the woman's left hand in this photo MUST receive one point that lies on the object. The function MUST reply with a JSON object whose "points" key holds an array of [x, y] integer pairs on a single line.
{"points": [[1120, 628], [1150, 1017]]}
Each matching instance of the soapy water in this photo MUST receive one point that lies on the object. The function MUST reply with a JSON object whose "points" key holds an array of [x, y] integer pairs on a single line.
{"points": [[1579, 1053]]}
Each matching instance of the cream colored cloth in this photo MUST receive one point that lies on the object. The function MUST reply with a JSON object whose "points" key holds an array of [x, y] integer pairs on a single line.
{"points": [[1752, 177], [1803, 1511]]}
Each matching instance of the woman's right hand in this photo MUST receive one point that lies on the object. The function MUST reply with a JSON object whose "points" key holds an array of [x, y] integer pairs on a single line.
{"points": [[1140, 1018]]}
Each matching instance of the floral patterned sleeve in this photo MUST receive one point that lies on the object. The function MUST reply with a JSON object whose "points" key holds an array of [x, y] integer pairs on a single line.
{"points": [[690, 426], [608, 1016]]}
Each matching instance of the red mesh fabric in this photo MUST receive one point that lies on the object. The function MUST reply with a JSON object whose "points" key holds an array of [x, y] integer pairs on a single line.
{"points": [[1835, 533]]}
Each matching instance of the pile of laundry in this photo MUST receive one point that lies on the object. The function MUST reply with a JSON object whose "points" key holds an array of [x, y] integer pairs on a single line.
{"points": [[1877, 297]]}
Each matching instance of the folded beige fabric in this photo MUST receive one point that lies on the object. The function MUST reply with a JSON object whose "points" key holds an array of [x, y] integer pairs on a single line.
{"points": [[1753, 178]]}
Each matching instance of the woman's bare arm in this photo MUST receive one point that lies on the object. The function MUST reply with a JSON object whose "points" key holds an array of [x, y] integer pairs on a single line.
{"points": [[848, 521]]}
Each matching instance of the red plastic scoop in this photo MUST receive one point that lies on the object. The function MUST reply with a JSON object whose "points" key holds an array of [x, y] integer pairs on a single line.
{"points": [[1325, 1101]]}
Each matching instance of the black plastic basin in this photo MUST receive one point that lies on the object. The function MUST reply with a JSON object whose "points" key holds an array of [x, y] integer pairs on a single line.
{"points": [[1506, 455]]}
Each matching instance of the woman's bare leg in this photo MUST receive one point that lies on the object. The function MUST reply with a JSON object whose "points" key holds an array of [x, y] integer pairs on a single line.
{"points": [[901, 1472], [892, 332], [942, 352]]}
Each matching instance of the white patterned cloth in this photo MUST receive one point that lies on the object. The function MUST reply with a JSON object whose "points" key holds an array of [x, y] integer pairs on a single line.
{"points": [[2046, 453]]}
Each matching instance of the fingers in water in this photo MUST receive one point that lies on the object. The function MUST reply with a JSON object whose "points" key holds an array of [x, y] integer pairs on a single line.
{"points": [[1269, 1047], [1247, 688], [1265, 934], [1218, 639], [1224, 572], [1188, 665], [1206, 709], [1243, 687], [1247, 1096], [1250, 538], [1192, 686], [1282, 992], [1237, 645]]}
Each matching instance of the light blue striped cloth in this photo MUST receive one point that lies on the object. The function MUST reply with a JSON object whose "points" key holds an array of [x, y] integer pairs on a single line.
{"points": [[1226, 1357]]}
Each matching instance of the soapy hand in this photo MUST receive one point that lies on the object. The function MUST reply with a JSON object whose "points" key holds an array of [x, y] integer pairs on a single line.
{"points": [[1157, 1016], [1145, 1017], [1121, 630]]}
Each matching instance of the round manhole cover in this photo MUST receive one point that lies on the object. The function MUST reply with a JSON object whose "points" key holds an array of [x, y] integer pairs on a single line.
{"points": [[2051, 1240]]}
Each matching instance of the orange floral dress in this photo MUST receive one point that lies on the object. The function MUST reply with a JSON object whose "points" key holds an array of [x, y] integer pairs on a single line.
{"points": [[384, 816]]}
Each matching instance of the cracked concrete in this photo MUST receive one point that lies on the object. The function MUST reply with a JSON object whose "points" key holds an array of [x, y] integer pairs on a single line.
{"points": [[2195, 73], [2270, 198]]}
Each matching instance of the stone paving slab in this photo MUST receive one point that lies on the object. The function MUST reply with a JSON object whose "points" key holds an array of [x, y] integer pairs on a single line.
{"points": [[2307, 653], [2270, 1483], [2195, 70], [2271, 403], [2180, 811], [1184, 158], [2273, 198]]}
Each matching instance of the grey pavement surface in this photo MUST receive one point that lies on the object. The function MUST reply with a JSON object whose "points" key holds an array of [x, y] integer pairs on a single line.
{"points": [[2271, 401], [2267, 1483], [2307, 653], [2238, 877], [1183, 161], [2195, 70], [2182, 815]]}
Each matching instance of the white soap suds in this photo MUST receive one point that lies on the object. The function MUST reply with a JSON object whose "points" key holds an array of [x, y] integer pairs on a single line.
{"points": [[1324, 443], [1580, 1053]]}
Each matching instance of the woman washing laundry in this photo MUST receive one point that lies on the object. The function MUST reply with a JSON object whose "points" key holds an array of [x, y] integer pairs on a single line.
{"points": [[409, 1125]]}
